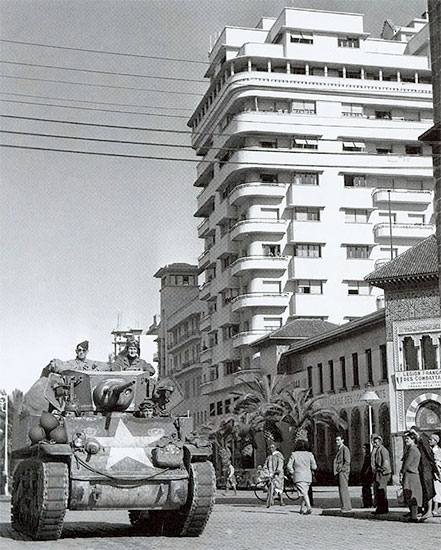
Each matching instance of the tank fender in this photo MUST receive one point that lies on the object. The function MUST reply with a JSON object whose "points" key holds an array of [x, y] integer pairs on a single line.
{"points": [[195, 454], [43, 450]]}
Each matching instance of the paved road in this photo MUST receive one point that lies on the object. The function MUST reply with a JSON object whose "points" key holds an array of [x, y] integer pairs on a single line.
{"points": [[242, 523]]}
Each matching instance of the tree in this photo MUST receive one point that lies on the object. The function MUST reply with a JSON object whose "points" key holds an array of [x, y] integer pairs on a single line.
{"points": [[259, 407], [302, 411]]}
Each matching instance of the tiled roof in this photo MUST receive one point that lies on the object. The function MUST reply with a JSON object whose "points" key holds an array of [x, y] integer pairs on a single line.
{"points": [[420, 261], [298, 328]]}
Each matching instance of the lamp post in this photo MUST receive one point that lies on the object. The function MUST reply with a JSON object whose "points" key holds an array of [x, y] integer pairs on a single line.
{"points": [[4, 408], [370, 397]]}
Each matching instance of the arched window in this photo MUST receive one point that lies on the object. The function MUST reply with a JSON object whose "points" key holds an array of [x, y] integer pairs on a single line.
{"points": [[356, 447], [429, 353], [345, 431], [428, 416], [410, 354]]}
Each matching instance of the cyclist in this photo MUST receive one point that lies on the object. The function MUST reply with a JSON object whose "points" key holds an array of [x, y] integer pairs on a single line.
{"points": [[274, 468]]}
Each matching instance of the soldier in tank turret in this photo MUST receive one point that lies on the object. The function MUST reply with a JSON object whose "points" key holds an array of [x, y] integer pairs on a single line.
{"points": [[129, 360], [80, 362]]}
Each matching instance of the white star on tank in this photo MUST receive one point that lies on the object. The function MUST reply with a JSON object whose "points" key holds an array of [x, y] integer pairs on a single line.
{"points": [[123, 444]]}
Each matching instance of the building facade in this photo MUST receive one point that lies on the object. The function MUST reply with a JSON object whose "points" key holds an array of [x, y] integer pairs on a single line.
{"points": [[413, 333], [311, 174], [340, 365]]}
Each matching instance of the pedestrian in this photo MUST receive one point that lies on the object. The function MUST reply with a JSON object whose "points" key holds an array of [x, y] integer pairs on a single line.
{"points": [[230, 480], [342, 468], [367, 477], [410, 477], [382, 471], [129, 359], [301, 465], [427, 470], [436, 449], [273, 468]]}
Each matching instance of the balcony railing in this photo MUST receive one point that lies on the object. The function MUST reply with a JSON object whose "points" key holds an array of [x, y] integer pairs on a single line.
{"points": [[401, 196], [258, 225], [260, 299], [404, 231], [250, 263]]}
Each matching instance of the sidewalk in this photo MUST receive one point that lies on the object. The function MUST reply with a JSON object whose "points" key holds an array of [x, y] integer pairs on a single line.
{"points": [[327, 503]]}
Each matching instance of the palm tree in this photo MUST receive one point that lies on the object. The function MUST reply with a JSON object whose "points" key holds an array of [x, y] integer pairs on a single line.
{"points": [[302, 411], [259, 407]]}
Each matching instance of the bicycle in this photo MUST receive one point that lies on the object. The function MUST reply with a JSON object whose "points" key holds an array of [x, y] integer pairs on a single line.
{"points": [[261, 490]]}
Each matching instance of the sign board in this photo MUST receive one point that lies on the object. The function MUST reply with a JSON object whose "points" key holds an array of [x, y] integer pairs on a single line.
{"points": [[418, 379]]}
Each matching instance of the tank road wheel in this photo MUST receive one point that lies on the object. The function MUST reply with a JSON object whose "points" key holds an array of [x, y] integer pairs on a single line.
{"points": [[39, 498], [193, 517]]}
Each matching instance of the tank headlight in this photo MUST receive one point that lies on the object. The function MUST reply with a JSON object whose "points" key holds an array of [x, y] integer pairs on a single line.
{"points": [[78, 441], [92, 446]]}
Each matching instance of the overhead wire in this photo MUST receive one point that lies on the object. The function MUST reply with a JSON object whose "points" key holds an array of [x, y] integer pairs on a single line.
{"points": [[106, 52], [94, 71]]}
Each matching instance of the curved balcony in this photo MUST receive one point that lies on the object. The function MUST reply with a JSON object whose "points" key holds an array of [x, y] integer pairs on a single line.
{"points": [[257, 263], [206, 355], [381, 196], [204, 290], [246, 338], [403, 231], [203, 228], [258, 225], [205, 323], [246, 190], [204, 259], [260, 299]]}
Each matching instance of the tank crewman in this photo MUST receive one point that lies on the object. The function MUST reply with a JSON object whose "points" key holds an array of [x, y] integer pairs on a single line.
{"points": [[129, 359], [79, 363]]}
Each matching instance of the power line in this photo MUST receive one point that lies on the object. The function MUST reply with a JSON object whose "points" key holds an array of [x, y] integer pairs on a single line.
{"points": [[99, 85], [273, 165], [88, 50], [103, 72], [93, 109], [95, 102]]}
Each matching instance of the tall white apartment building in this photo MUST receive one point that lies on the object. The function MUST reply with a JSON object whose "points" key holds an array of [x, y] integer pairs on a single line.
{"points": [[311, 174]]}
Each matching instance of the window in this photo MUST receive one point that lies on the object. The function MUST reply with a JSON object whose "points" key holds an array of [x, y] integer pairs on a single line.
{"points": [[212, 409], [343, 372], [354, 146], [307, 214], [428, 353], [227, 406], [308, 250], [357, 252], [269, 178], [352, 110], [268, 144], [392, 217], [383, 115], [416, 218], [355, 373], [320, 375], [410, 353], [304, 142], [271, 249], [309, 287], [385, 150], [303, 107], [272, 287], [219, 407], [230, 367], [331, 375], [413, 150], [356, 215], [272, 323], [353, 180], [387, 251], [270, 213], [348, 42], [310, 378], [306, 178], [301, 38], [369, 367], [358, 287]]}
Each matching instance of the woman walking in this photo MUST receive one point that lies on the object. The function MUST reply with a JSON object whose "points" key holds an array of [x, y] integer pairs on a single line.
{"points": [[410, 477], [301, 464]]}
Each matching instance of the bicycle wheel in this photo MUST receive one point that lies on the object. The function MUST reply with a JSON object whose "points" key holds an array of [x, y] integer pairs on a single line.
{"points": [[291, 492], [261, 491]]}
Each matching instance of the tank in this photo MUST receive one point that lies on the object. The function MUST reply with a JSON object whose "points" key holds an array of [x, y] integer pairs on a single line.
{"points": [[107, 441]]}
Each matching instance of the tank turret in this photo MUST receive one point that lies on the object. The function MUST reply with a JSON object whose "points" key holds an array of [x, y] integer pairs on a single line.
{"points": [[114, 394]]}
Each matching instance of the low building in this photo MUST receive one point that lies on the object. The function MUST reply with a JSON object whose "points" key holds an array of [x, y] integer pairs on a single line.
{"points": [[413, 332], [340, 365]]}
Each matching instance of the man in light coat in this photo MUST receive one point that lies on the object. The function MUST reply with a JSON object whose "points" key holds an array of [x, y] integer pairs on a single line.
{"points": [[342, 468]]}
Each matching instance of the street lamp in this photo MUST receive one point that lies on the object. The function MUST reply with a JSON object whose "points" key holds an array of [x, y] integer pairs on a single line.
{"points": [[370, 397]]}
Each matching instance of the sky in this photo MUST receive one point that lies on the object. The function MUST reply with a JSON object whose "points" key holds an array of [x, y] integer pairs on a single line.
{"points": [[82, 235]]}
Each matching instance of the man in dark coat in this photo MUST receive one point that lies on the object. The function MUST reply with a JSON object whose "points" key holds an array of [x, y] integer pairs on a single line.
{"points": [[381, 468], [342, 468], [367, 477], [427, 470]]}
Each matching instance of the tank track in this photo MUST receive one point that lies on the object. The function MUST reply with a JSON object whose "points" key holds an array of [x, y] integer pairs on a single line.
{"points": [[39, 498]]}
